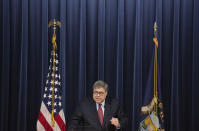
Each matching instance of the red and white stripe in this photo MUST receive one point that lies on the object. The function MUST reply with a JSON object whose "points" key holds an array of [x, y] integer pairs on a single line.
{"points": [[44, 122]]}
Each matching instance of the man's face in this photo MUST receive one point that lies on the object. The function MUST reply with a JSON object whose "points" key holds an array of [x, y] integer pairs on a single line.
{"points": [[99, 95]]}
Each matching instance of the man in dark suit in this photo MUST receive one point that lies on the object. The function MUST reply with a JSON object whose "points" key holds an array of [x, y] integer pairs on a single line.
{"points": [[98, 113]]}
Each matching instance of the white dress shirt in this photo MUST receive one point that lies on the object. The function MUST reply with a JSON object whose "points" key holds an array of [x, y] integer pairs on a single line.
{"points": [[102, 106]]}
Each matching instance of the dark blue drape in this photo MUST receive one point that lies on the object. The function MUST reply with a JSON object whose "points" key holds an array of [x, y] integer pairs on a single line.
{"points": [[99, 39]]}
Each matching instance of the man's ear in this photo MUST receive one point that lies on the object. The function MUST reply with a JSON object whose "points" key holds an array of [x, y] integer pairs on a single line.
{"points": [[106, 93]]}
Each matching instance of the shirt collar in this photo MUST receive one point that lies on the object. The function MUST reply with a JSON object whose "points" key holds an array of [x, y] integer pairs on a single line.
{"points": [[102, 104]]}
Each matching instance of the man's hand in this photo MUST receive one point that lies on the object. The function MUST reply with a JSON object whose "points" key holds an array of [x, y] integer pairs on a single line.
{"points": [[115, 122]]}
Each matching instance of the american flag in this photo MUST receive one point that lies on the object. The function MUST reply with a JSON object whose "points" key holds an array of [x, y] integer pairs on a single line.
{"points": [[45, 122]]}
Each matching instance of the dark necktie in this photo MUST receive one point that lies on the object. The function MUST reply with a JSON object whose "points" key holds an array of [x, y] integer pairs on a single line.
{"points": [[100, 114]]}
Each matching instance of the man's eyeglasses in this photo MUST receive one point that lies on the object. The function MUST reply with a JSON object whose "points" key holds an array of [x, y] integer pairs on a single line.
{"points": [[98, 93]]}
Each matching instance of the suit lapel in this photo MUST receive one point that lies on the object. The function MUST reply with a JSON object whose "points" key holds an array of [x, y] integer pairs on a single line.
{"points": [[94, 109], [107, 113]]}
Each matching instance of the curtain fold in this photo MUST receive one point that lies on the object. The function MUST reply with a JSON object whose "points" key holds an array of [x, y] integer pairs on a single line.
{"points": [[101, 36], [195, 69], [82, 50], [120, 51], [23, 76], [175, 92], [137, 65], [5, 76], [63, 65], [44, 40], [110, 40]]}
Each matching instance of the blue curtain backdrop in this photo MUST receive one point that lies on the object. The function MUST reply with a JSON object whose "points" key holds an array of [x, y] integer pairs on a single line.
{"points": [[99, 39]]}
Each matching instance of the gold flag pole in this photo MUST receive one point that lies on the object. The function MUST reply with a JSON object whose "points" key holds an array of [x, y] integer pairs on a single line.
{"points": [[155, 69], [53, 23]]}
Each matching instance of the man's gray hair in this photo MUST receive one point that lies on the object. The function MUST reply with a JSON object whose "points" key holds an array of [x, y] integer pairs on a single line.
{"points": [[100, 84]]}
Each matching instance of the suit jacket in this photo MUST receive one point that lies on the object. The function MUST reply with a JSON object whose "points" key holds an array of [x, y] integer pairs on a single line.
{"points": [[85, 117]]}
